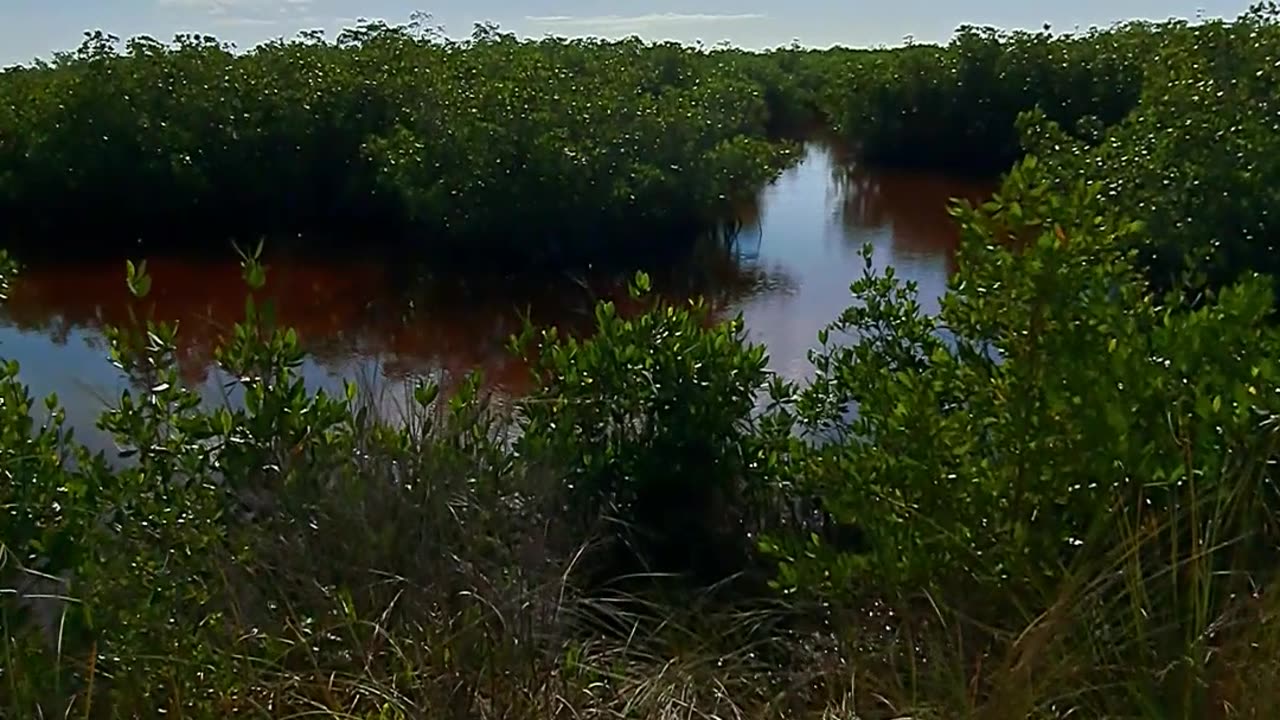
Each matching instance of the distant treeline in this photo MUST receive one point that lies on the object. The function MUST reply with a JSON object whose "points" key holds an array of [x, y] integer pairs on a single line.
{"points": [[549, 149], [537, 148]]}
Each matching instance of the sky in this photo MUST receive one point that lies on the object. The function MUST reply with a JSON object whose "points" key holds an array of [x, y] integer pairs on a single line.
{"points": [[37, 28]]}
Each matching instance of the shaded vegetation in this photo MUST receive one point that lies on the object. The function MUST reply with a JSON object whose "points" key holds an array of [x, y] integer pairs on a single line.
{"points": [[1055, 498], [535, 149], [956, 106], [1195, 160]]}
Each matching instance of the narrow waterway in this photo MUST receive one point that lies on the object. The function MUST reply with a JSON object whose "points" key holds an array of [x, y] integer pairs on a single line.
{"points": [[377, 325]]}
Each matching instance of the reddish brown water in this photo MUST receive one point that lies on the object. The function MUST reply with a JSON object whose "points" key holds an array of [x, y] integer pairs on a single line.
{"points": [[375, 324]]}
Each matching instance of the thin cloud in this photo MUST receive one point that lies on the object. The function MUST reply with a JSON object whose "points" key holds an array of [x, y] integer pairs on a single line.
{"points": [[225, 5], [248, 10], [242, 13], [238, 21], [620, 23]]}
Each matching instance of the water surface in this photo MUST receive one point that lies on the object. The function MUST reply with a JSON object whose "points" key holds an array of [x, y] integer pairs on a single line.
{"points": [[381, 325]]}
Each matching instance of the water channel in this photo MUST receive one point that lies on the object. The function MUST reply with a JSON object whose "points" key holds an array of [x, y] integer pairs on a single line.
{"points": [[372, 323]]}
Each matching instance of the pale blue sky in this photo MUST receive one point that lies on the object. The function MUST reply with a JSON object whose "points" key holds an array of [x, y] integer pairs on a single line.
{"points": [[30, 28]]}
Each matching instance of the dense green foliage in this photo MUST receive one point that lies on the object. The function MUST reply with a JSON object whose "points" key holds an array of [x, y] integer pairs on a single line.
{"points": [[1070, 404], [652, 419], [956, 106], [1054, 498], [1196, 160], [534, 148]]}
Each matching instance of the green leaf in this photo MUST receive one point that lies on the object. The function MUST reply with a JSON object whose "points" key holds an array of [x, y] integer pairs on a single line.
{"points": [[426, 393]]}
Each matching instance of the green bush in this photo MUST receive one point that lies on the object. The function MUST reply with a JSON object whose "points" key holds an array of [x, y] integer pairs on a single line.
{"points": [[214, 553], [1196, 160], [650, 420], [956, 106], [291, 552], [537, 149], [1061, 448], [1053, 389]]}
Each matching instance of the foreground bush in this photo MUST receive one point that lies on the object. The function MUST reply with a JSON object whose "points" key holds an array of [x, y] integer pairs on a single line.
{"points": [[1055, 497], [1100, 453], [652, 423]]}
